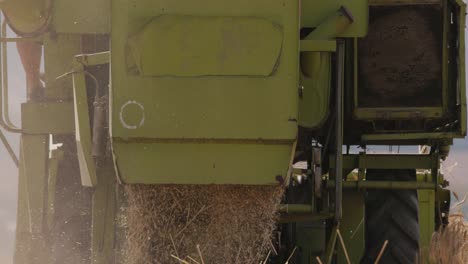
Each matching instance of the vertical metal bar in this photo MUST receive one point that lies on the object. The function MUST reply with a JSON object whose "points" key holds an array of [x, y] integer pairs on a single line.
{"points": [[35, 156], [83, 128], [1, 68], [339, 129], [4, 81], [23, 220], [6, 110], [9, 148], [2, 135], [462, 69], [104, 213], [445, 59]]}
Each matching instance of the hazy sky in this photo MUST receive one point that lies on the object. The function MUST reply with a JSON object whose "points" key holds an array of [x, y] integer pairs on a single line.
{"points": [[457, 164]]}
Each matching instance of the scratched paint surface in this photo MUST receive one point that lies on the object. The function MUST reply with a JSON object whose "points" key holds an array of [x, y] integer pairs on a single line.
{"points": [[8, 172]]}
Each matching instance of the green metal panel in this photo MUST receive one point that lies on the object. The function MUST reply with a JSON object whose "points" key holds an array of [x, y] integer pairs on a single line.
{"points": [[316, 70], [206, 107], [311, 239], [23, 221], [318, 45], [429, 137], [352, 226], [393, 113], [197, 163], [410, 138], [47, 118], [32, 211], [296, 208], [225, 110], [56, 156], [313, 13], [238, 46], [82, 119], [426, 221], [388, 161], [315, 96], [104, 216], [462, 66], [83, 129], [82, 17], [93, 59], [58, 60], [35, 152]]}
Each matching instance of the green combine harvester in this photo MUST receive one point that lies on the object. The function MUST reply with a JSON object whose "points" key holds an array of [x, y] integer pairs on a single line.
{"points": [[217, 92]]}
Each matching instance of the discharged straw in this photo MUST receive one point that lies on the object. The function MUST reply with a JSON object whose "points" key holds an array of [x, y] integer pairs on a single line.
{"points": [[200, 224], [382, 250], [450, 244]]}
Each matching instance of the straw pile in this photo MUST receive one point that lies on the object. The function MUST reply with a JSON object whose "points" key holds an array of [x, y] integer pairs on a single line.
{"points": [[223, 224], [450, 245]]}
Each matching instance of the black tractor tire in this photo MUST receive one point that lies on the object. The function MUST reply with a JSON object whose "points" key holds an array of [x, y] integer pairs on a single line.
{"points": [[393, 216]]}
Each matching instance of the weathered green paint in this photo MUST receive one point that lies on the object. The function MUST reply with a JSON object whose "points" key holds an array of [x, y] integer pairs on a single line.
{"points": [[239, 46], [315, 88], [218, 119], [59, 52], [23, 221], [83, 129], [55, 159], [335, 24], [48, 118], [296, 208], [82, 117], [93, 59], [211, 164], [428, 138], [318, 45], [33, 200], [352, 226], [316, 70], [104, 216], [188, 105], [426, 221], [312, 14], [81, 17]]}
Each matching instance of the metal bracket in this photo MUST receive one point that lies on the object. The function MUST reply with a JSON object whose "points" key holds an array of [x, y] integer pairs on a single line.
{"points": [[388, 161], [82, 121]]}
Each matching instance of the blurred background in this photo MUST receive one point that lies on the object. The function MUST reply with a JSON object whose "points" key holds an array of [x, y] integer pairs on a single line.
{"points": [[8, 170], [455, 167]]}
